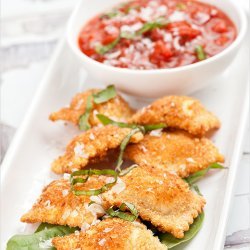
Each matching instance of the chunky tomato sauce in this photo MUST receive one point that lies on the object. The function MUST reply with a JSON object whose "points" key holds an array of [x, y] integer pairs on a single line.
{"points": [[156, 34]]}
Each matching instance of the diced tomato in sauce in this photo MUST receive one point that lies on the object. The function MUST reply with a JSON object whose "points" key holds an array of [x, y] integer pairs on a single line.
{"points": [[156, 34]]}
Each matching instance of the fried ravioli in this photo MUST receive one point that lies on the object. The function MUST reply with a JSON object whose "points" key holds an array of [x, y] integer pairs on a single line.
{"points": [[116, 108], [176, 151], [91, 146], [160, 197], [58, 205], [111, 234], [178, 112]]}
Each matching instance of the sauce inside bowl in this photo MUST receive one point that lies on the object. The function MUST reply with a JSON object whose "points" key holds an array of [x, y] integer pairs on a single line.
{"points": [[157, 34]]}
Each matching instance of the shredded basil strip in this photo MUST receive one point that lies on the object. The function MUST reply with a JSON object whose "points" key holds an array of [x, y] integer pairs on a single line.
{"points": [[127, 170], [120, 212], [100, 97], [89, 172], [170, 241], [123, 146], [105, 95], [34, 241], [152, 25], [200, 53], [110, 15], [103, 49], [106, 121], [192, 179], [151, 127], [144, 128], [44, 226], [84, 118]]}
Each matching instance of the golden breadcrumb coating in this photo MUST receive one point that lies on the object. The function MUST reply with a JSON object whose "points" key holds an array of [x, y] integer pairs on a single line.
{"points": [[58, 205], [178, 112], [111, 234], [91, 146], [160, 197], [176, 151], [116, 108]]}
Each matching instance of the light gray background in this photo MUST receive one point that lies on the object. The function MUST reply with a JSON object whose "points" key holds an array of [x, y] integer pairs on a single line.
{"points": [[30, 32]]}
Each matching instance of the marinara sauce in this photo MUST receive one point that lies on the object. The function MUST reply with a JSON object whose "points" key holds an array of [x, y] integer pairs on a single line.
{"points": [[157, 34]]}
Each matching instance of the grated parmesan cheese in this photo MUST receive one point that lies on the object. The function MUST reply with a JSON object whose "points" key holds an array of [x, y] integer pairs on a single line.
{"points": [[118, 187], [102, 242], [156, 132], [79, 150]]}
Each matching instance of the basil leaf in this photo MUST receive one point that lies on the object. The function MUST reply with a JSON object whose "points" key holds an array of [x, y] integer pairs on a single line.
{"points": [[151, 127], [152, 25], [200, 53], [127, 170], [144, 128], [123, 146], [170, 241], [84, 119], [110, 15], [196, 189], [200, 174], [98, 98], [120, 213], [90, 172], [105, 95], [106, 121], [44, 226], [34, 241], [128, 35], [103, 49]]}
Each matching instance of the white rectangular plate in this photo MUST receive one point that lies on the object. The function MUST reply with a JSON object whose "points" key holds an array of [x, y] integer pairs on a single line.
{"points": [[25, 169]]}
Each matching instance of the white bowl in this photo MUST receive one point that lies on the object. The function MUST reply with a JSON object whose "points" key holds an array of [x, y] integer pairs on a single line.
{"points": [[156, 83]]}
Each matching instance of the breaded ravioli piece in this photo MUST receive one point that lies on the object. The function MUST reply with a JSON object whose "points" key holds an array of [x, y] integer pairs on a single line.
{"points": [[178, 112], [92, 146], [176, 151], [116, 108], [160, 197], [111, 234], [58, 205]]}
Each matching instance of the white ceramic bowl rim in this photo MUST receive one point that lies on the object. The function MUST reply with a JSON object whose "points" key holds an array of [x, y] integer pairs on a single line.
{"points": [[241, 34]]}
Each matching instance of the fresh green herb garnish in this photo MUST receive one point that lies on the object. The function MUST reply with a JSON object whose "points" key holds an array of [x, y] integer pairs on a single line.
{"points": [[88, 173], [120, 212], [192, 179], [106, 121], [170, 241], [196, 189], [36, 240], [105, 95], [98, 98], [103, 49], [44, 226], [144, 128], [200, 53], [152, 25], [123, 146], [110, 15], [151, 127], [135, 129], [84, 118], [127, 170], [181, 6], [136, 7]]}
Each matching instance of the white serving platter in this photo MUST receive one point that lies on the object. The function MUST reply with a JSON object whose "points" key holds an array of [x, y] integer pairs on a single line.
{"points": [[26, 167]]}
